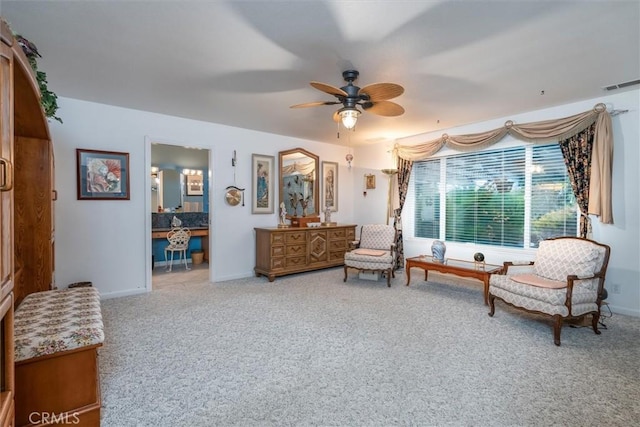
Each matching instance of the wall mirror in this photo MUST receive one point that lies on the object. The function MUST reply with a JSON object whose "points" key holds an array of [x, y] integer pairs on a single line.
{"points": [[299, 188], [179, 178]]}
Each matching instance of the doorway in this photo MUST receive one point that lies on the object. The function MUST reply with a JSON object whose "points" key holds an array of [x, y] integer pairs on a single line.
{"points": [[180, 179]]}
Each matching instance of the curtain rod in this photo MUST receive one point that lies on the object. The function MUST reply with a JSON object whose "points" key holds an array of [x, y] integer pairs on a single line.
{"points": [[616, 112]]}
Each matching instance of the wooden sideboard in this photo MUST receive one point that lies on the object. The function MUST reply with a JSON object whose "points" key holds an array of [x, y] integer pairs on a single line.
{"points": [[281, 251]]}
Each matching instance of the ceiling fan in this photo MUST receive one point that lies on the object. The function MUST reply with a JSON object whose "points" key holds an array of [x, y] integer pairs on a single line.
{"points": [[373, 98]]}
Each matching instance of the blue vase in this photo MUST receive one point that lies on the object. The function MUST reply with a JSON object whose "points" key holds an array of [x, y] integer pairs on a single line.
{"points": [[438, 248]]}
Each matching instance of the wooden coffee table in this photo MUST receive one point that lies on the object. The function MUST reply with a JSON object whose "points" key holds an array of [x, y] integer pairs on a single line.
{"points": [[458, 267]]}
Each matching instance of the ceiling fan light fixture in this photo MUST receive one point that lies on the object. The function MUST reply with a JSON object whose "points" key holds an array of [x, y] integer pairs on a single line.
{"points": [[349, 117]]}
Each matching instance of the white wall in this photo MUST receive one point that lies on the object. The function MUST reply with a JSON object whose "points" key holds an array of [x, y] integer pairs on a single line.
{"points": [[104, 241], [623, 236]]}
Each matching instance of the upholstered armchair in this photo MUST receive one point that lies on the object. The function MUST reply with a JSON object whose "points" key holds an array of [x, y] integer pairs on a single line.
{"points": [[375, 251], [565, 281]]}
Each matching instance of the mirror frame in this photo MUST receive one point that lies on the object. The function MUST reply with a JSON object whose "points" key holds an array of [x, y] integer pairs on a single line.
{"points": [[316, 183]]}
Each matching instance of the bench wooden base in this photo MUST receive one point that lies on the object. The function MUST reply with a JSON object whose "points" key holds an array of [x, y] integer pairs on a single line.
{"points": [[60, 388]]}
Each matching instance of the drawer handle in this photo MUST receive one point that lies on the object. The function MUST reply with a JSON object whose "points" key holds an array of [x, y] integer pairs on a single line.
{"points": [[7, 175]]}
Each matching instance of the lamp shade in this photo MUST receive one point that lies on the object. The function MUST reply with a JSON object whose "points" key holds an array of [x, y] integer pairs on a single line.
{"points": [[349, 117]]}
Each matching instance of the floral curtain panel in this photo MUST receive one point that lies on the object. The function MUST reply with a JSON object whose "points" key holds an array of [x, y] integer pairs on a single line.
{"points": [[599, 200], [404, 173], [576, 151]]}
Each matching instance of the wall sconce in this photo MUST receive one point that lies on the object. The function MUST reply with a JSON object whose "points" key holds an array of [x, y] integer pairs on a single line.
{"points": [[349, 159]]}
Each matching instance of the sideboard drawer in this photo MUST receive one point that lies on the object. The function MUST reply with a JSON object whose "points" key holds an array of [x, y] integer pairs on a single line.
{"points": [[277, 239], [296, 250], [295, 237], [277, 251], [296, 261], [277, 263], [337, 234], [337, 245]]}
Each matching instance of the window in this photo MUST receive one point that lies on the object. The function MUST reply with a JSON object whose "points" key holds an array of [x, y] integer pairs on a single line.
{"points": [[512, 197]]}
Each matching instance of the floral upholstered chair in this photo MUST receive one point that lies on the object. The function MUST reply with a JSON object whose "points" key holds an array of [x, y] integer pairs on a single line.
{"points": [[375, 251], [565, 281]]}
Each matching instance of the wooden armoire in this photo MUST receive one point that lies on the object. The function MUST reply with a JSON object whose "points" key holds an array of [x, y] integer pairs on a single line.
{"points": [[26, 201]]}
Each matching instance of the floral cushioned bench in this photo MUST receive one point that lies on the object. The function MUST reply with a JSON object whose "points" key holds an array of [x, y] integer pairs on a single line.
{"points": [[57, 334], [53, 321], [565, 281]]}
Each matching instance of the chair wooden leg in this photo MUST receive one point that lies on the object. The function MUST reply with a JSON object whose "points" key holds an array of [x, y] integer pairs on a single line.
{"points": [[389, 272], [492, 305], [345, 273], [557, 326], [594, 323]]}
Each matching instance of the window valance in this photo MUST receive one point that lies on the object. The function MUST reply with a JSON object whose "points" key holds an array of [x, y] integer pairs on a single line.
{"points": [[540, 133]]}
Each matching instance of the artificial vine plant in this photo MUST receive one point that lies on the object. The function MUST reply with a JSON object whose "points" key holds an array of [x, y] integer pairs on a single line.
{"points": [[48, 99]]}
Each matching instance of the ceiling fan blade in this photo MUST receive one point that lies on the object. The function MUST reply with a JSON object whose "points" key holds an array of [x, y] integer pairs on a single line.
{"points": [[331, 90], [314, 104], [384, 108], [336, 116], [382, 91]]}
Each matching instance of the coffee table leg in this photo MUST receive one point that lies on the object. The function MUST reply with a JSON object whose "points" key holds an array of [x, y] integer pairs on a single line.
{"points": [[408, 271], [486, 290]]}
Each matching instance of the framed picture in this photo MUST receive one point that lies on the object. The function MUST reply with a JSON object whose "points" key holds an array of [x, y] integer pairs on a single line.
{"points": [[102, 175], [329, 186], [262, 188], [370, 181], [194, 185]]}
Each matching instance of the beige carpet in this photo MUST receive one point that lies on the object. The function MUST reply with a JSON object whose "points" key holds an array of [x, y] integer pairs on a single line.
{"points": [[309, 349]]}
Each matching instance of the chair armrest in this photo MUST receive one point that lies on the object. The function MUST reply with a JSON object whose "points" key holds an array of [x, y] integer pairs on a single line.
{"points": [[520, 265]]}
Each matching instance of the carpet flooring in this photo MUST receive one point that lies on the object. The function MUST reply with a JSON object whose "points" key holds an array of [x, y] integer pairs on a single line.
{"points": [[310, 350]]}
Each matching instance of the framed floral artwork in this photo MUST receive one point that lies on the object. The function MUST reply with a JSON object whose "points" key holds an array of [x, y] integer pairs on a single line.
{"points": [[262, 180], [330, 186], [102, 175]]}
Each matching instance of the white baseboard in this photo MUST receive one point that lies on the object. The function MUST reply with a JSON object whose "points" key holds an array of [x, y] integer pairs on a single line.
{"points": [[625, 311], [127, 293]]}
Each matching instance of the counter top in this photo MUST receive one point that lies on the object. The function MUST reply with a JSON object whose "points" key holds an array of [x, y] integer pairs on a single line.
{"points": [[161, 233], [153, 230]]}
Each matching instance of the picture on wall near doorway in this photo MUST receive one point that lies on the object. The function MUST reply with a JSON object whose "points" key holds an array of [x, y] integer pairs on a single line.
{"points": [[330, 186], [370, 181], [262, 184], [102, 175], [194, 185]]}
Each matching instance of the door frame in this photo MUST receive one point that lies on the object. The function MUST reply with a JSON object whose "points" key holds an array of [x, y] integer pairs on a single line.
{"points": [[148, 141]]}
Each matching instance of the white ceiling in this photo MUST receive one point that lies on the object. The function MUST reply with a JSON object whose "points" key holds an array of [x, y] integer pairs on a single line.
{"points": [[243, 63]]}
